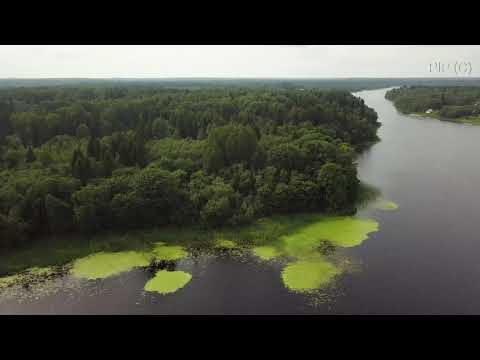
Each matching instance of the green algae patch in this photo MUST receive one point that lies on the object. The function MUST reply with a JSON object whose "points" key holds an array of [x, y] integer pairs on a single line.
{"points": [[166, 282], [8, 281], [385, 205], [102, 265], [225, 244], [339, 231], [266, 252], [309, 275], [169, 253], [312, 247]]}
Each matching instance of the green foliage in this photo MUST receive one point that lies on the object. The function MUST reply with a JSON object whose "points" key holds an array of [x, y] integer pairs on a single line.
{"points": [[13, 158], [220, 203], [92, 207], [45, 157], [160, 128], [81, 167], [94, 148], [230, 144], [82, 131], [28, 198], [30, 155], [12, 233], [59, 214], [334, 182], [108, 162], [448, 102], [93, 160]]}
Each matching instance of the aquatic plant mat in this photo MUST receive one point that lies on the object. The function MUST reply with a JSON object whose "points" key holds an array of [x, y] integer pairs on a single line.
{"points": [[307, 247]]}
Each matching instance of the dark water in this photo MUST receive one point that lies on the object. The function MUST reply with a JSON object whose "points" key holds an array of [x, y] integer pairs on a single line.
{"points": [[425, 259]]}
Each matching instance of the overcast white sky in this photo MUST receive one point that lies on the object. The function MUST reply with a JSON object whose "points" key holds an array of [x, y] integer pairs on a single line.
{"points": [[157, 61]]}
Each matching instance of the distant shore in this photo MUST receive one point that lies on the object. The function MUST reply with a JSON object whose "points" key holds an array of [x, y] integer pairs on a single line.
{"points": [[471, 120]]}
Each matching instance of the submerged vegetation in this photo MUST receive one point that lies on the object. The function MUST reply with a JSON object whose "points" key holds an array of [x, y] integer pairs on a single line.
{"points": [[457, 104], [304, 243], [30, 276], [309, 247]]}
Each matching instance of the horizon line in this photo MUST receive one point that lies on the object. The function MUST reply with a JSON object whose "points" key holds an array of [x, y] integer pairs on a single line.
{"points": [[239, 78]]}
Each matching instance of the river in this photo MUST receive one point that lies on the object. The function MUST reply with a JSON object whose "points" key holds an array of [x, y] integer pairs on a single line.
{"points": [[424, 259]]}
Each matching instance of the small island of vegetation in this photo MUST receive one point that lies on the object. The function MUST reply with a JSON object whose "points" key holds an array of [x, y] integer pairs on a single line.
{"points": [[456, 104]]}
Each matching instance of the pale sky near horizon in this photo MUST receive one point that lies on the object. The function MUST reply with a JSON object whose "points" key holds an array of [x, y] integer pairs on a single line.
{"points": [[159, 61]]}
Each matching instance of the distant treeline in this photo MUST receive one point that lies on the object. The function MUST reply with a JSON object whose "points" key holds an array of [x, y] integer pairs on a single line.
{"points": [[98, 158], [448, 102], [350, 84]]}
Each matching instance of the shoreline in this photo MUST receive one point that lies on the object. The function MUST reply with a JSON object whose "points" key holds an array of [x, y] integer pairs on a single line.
{"points": [[475, 121], [467, 121], [61, 250]]}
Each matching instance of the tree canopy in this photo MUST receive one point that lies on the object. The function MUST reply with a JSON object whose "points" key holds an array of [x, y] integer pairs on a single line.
{"points": [[94, 159], [448, 102]]}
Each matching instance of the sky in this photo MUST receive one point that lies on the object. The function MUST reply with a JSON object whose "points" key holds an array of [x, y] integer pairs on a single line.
{"points": [[238, 61]]}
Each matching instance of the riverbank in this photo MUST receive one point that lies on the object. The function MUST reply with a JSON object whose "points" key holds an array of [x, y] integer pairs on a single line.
{"points": [[305, 244], [409, 100], [471, 120], [61, 250], [58, 251]]}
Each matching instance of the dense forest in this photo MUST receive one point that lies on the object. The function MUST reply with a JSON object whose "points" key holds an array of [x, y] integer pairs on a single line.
{"points": [[89, 159], [446, 102]]}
